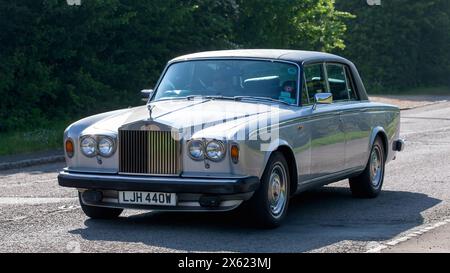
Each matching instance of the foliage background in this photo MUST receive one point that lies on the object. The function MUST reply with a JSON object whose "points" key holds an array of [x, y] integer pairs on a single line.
{"points": [[61, 62]]}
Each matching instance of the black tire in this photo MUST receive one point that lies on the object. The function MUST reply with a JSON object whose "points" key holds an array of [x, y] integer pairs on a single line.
{"points": [[259, 206], [369, 183], [99, 212]]}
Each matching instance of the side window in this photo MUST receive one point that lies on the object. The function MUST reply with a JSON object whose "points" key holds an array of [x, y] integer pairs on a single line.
{"points": [[351, 84], [338, 82], [315, 80], [341, 82]]}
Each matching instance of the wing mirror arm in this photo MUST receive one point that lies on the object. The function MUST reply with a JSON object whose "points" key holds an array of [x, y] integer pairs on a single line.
{"points": [[146, 94], [322, 98]]}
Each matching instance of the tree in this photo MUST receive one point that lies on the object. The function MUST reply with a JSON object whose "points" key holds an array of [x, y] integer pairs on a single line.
{"points": [[296, 24], [61, 61], [400, 44]]}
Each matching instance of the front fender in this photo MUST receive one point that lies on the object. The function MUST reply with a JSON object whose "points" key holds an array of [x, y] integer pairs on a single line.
{"points": [[78, 161], [273, 146]]}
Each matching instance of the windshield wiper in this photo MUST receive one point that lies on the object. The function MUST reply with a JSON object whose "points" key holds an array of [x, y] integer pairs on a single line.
{"points": [[190, 97], [219, 97], [209, 97], [170, 98], [260, 98]]}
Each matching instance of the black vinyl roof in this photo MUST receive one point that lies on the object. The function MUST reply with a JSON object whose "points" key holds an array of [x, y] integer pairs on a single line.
{"points": [[297, 56]]}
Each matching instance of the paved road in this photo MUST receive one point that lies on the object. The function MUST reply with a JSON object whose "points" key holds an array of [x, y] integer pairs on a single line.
{"points": [[38, 216]]}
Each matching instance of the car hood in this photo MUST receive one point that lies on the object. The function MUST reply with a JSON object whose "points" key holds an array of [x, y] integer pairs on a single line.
{"points": [[180, 114]]}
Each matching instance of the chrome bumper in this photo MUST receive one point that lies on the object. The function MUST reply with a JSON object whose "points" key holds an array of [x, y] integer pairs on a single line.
{"points": [[398, 145], [193, 194]]}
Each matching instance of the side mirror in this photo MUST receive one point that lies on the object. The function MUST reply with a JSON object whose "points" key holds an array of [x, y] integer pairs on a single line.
{"points": [[322, 98], [146, 93]]}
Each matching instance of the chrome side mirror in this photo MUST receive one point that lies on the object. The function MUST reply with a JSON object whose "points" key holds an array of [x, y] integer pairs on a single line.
{"points": [[322, 98], [146, 94]]}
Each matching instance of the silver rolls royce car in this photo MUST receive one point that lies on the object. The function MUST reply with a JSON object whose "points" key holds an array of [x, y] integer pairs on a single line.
{"points": [[229, 129]]}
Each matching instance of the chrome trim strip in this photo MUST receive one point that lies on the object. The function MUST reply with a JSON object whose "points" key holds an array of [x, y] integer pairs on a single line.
{"points": [[153, 178]]}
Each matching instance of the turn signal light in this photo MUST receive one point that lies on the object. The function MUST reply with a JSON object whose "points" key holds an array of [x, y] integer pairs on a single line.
{"points": [[234, 153], [69, 148]]}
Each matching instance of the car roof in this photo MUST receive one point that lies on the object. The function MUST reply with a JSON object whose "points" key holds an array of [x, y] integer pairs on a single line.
{"points": [[297, 56]]}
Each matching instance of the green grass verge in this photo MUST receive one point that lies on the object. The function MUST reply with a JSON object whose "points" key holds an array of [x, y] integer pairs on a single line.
{"points": [[419, 91], [47, 138]]}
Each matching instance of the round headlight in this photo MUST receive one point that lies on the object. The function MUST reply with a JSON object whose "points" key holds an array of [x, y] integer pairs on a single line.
{"points": [[106, 146], [215, 150], [195, 149], [88, 146]]}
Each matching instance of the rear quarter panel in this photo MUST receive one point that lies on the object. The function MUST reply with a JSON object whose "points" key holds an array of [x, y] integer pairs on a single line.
{"points": [[364, 121]]}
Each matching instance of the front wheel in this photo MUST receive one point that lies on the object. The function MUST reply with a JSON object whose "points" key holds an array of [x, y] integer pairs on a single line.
{"points": [[369, 183], [99, 212], [269, 204]]}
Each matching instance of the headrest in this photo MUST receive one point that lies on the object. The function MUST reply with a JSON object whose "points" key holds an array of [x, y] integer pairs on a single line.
{"points": [[290, 83]]}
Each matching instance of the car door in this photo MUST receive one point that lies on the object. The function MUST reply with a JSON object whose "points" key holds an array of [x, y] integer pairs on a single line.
{"points": [[327, 136], [354, 119]]}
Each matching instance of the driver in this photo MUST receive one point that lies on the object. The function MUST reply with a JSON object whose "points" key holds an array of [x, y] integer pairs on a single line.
{"points": [[289, 87], [288, 92]]}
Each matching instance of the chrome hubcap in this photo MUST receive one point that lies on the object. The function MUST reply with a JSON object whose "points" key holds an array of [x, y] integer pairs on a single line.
{"points": [[376, 170], [277, 190]]}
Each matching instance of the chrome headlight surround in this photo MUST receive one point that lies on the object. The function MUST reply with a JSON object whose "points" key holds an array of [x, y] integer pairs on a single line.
{"points": [[106, 146], [88, 146], [93, 145], [215, 150], [198, 146]]}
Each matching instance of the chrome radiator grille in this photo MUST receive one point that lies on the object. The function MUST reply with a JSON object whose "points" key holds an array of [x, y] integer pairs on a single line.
{"points": [[148, 152]]}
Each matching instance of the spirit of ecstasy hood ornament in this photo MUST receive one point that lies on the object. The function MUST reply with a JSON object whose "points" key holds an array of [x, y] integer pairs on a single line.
{"points": [[150, 109]]}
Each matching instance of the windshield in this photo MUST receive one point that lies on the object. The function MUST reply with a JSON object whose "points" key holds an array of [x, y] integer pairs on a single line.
{"points": [[230, 78]]}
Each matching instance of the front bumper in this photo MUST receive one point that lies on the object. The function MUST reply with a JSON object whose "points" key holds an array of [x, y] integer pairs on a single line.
{"points": [[227, 193]]}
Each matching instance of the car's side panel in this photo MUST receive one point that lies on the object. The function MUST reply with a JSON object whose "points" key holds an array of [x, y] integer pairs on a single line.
{"points": [[293, 132], [357, 127], [325, 148], [327, 141]]}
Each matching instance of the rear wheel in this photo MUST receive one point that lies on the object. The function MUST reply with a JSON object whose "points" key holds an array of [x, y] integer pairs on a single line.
{"points": [[369, 183], [269, 204], [99, 212]]}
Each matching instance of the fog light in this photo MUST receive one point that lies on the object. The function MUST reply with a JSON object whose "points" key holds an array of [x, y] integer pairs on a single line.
{"points": [[91, 196], [209, 201]]}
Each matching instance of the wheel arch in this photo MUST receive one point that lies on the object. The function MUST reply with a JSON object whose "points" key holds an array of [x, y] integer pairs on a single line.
{"points": [[288, 154], [381, 133]]}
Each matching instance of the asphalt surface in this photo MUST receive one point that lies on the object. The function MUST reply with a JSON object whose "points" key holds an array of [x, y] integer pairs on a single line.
{"points": [[36, 215]]}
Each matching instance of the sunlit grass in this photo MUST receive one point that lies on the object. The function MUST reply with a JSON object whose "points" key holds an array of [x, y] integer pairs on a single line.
{"points": [[419, 91], [26, 141]]}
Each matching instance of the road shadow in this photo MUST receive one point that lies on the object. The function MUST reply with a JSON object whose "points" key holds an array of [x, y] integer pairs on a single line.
{"points": [[316, 219]]}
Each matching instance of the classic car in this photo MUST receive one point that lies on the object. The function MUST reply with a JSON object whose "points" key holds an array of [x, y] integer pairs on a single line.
{"points": [[234, 128]]}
